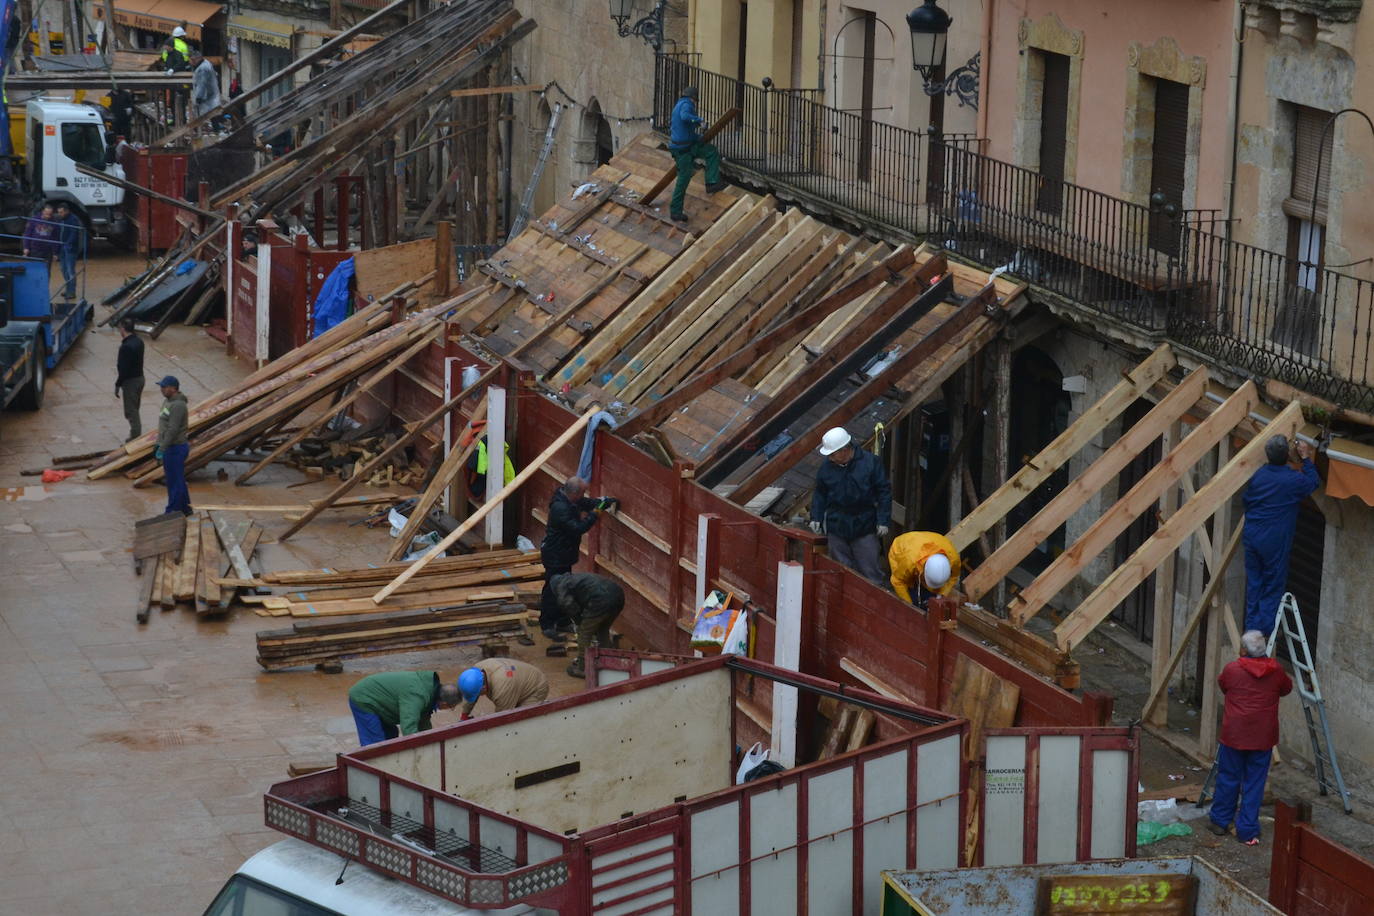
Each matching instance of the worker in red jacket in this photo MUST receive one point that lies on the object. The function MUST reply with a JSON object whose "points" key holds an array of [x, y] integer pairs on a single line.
{"points": [[1252, 684]]}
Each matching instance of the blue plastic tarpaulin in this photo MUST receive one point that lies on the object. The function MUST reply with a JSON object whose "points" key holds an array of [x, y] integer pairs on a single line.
{"points": [[331, 305]]}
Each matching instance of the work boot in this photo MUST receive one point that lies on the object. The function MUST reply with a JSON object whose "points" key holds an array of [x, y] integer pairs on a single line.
{"points": [[567, 626], [553, 635], [679, 217], [1217, 828], [577, 669], [718, 186]]}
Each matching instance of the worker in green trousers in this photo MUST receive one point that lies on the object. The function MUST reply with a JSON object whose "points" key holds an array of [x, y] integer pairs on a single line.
{"points": [[686, 145]]}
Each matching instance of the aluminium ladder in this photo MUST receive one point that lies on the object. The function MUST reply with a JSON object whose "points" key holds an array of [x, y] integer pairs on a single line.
{"points": [[1289, 621], [522, 216]]}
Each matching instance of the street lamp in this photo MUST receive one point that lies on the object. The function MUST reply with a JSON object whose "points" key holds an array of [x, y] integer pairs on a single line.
{"points": [[649, 28], [929, 27]]}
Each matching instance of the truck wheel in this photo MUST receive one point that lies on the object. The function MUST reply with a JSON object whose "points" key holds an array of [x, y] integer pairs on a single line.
{"points": [[31, 398]]}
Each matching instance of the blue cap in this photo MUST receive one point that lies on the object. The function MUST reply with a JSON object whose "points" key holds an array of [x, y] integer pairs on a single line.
{"points": [[470, 684], [169, 381]]}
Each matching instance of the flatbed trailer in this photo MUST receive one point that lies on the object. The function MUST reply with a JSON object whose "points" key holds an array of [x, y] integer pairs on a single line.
{"points": [[37, 329], [623, 799]]}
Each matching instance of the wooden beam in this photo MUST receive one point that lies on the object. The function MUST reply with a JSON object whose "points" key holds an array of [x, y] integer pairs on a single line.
{"points": [[1138, 499], [1166, 577], [1065, 446], [764, 343], [494, 90], [471, 521], [1083, 487], [1206, 603], [671, 174], [448, 471], [1223, 485]]}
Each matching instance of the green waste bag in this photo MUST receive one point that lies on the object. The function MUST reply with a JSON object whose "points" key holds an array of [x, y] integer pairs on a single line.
{"points": [[1147, 832]]}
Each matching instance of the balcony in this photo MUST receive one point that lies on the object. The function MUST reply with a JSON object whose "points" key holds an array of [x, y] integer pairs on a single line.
{"points": [[1167, 275]]}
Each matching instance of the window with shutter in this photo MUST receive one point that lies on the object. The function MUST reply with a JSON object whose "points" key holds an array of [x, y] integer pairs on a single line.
{"points": [[1297, 321], [1168, 163], [1308, 149], [1054, 132]]}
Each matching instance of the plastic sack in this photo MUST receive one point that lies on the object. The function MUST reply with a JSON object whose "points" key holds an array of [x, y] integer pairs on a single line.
{"points": [[713, 623], [53, 476], [524, 544], [737, 640], [1158, 811], [756, 755], [420, 545], [398, 522], [1147, 832]]}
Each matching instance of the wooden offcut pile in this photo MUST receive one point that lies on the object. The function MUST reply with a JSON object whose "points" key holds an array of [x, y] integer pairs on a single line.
{"points": [[330, 641], [509, 576], [181, 559]]}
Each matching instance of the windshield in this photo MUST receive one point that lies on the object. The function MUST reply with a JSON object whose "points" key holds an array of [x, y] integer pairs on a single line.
{"points": [[83, 143], [243, 896]]}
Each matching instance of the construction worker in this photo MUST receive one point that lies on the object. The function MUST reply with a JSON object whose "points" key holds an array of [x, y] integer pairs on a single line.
{"points": [[71, 236], [851, 503], [129, 379], [176, 52], [571, 515], [204, 85], [923, 560], [1271, 516], [593, 602], [398, 702], [1253, 685], [509, 683], [477, 464], [684, 142], [173, 446]]}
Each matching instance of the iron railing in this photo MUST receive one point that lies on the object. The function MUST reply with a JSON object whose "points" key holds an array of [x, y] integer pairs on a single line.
{"points": [[1275, 316], [1113, 255], [788, 137], [1166, 271]]}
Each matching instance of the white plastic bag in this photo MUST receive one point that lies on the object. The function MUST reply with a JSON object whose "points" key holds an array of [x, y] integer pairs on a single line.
{"points": [[398, 522], [524, 544], [737, 640], [752, 758], [1158, 811]]}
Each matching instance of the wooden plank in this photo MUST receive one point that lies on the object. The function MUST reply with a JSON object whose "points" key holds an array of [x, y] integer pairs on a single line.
{"points": [[472, 520], [494, 90], [1065, 446], [1205, 604], [1099, 474], [147, 583], [184, 588], [987, 701], [211, 562], [671, 175], [1223, 485], [1138, 499], [232, 548], [1027, 649], [837, 731], [874, 683]]}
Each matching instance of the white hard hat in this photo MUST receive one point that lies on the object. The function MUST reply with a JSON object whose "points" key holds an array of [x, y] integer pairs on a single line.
{"points": [[936, 572], [834, 440], [178, 32]]}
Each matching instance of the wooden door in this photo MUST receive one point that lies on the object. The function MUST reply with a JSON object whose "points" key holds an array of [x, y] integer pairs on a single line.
{"points": [[1054, 133]]}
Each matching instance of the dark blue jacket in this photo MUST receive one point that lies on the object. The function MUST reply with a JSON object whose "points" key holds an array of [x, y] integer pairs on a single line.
{"points": [[568, 521], [1272, 497], [853, 500], [71, 233], [686, 126]]}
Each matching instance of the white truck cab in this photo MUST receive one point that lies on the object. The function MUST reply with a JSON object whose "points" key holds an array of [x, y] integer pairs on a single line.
{"points": [[59, 135], [294, 878]]}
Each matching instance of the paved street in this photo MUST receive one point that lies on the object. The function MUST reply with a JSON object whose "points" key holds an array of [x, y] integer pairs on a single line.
{"points": [[133, 758]]}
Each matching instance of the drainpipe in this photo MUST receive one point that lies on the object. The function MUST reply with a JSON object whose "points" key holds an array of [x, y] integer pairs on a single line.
{"points": [[985, 50], [1233, 116]]}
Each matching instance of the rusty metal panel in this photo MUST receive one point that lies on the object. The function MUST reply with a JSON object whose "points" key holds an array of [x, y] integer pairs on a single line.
{"points": [[1004, 801], [1057, 813]]}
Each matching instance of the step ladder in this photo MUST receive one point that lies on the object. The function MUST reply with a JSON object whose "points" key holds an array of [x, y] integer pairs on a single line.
{"points": [[1289, 623]]}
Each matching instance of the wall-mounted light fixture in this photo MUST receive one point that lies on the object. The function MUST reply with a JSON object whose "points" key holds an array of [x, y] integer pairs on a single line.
{"points": [[929, 27], [649, 27]]}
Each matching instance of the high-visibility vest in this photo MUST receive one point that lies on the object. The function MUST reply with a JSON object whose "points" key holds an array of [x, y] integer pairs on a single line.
{"points": [[482, 461], [182, 48]]}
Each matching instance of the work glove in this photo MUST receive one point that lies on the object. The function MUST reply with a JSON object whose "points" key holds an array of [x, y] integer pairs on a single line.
{"points": [[882, 531], [608, 503], [170, 72], [157, 453], [816, 526]]}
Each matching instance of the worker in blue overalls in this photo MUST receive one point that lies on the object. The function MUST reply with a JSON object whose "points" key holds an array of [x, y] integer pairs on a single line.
{"points": [[684, 142], [1271, 516]]}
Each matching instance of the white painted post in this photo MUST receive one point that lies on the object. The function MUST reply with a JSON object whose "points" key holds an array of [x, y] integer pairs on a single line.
{"points": [[264, 302], [496, 460], [703, 543], [452, 373], [787, 654], [230, 256]]}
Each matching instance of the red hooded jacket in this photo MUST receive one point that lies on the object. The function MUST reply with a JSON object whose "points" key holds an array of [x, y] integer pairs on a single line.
{"points": [[1252, 687]]}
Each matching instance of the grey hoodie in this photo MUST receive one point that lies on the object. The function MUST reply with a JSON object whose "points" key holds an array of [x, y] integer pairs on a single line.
{"points": [[171, 421]]}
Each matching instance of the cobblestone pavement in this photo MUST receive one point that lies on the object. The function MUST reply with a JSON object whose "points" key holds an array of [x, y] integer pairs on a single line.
{"points": [[133, 759]]}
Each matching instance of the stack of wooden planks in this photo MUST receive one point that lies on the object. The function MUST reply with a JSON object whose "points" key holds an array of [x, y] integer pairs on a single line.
{"points": [[328, 642], [509, 576], [181, 559], [362, 351]]}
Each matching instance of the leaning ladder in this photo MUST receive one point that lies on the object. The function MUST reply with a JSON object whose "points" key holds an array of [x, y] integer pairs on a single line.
{"points": [[522, 216], [1289, 622]]}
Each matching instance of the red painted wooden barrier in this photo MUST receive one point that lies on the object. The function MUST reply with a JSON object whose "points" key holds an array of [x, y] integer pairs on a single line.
{"points": [[1312, 876]]}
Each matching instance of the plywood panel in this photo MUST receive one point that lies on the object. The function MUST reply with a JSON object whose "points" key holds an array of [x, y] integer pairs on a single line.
{"points": [[380, 270]]}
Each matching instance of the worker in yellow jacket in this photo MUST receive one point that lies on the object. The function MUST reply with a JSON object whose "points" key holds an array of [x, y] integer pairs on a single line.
{"points": [[923, 559]]}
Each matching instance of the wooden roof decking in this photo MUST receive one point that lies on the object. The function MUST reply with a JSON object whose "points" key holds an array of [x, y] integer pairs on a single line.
{"points": [[643, 306]]}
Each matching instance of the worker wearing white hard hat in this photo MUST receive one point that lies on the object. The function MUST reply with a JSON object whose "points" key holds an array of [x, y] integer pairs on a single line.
{"points": [[852, 503], [178, 32], [923, 560]]}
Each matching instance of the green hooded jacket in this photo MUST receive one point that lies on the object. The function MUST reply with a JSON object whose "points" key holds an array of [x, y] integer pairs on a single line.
{"points": [[400, 698]]}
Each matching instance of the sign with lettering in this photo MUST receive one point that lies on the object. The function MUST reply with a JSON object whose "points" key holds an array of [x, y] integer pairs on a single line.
{"points": [[1139, 895]]}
